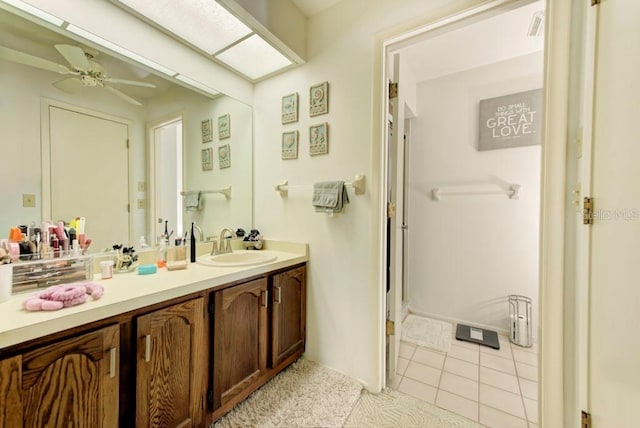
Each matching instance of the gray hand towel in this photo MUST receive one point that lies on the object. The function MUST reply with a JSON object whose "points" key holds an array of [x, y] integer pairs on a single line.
{"points": [[192, 201], [329, 196]]}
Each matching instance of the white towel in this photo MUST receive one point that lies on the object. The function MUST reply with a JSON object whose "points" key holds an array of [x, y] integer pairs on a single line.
{"points": [[192, 201], [329, 196]]}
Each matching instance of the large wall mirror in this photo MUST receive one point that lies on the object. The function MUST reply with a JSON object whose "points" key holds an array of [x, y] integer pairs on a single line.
{"points": [[62, 145]]}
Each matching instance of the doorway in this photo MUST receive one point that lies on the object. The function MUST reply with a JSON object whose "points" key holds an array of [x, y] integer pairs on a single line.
{"points": [[477, 173], [166, 173]]}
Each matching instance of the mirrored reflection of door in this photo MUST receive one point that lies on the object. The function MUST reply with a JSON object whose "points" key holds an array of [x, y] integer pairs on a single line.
{"points": [[90, 175], [167, 177]]}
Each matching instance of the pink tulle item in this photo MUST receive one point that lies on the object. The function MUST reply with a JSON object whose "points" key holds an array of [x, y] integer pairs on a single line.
{"points": [[62, 296]]}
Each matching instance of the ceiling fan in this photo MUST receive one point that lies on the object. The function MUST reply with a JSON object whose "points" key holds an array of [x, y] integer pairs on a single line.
{"points": [[85, 71]]}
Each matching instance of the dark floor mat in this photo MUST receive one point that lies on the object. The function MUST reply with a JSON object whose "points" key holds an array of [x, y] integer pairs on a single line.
{"points": [[477, 335]]}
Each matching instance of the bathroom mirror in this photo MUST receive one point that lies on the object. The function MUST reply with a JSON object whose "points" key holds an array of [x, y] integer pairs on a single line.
{"points": [[39, 173]]}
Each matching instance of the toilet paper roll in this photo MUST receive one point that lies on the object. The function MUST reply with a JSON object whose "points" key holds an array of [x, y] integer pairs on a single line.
{"points": [[6, 281]]}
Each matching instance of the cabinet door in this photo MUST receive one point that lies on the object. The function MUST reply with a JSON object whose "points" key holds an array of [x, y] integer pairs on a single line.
{"points": [[170, 379], [240, 340], [73, 382], [289, 301]]}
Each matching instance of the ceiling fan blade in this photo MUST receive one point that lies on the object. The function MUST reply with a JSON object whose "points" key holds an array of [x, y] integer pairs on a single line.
{"points": [[128, 82], [75, 56], [70, 85], [122, 95], [33, 61]]}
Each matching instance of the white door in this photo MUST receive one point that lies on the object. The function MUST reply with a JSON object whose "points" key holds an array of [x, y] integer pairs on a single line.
{"points": [[614, 316], [90, 175], [395, 231], [166, 152]]}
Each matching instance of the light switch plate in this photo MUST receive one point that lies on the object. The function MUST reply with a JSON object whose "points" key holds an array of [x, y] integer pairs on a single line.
{"points": [[140, 204], [28, 200], [142, 186]]}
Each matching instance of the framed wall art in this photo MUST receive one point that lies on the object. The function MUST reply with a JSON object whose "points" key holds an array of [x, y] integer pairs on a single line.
{"points": [[224, 156], [290, 108], [290, 145], [319, 139], [207, 159], [207, 130], [513, 120], [224, 126], [319, 99]]}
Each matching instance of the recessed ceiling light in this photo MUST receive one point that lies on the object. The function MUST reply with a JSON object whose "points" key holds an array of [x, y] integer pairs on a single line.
{"points": [[203, 23], [118, 49], [254, 57], [35, 11]]}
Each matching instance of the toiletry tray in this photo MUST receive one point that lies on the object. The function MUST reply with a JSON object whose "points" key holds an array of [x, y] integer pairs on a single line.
{"points": [[36, 274]]}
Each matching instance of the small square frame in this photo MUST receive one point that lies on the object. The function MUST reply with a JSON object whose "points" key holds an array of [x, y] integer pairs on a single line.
{"points": [[207, 130], [290, 145], [319, 139], [224, 126], [224, 156], [319, 99], [290, 108], [207, 159]]}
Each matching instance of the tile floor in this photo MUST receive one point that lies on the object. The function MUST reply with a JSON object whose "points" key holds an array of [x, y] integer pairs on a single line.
{"points": [[497, 388]]}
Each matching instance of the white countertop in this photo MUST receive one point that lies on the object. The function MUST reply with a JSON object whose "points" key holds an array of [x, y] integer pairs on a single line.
{"points": [[129, 291]]}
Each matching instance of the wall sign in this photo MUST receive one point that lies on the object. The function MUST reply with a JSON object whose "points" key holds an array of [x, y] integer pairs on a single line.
{"points": [[510, 121]]}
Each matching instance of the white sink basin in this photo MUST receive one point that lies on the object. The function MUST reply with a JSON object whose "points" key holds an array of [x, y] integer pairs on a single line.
{"points": [[237, 258]]}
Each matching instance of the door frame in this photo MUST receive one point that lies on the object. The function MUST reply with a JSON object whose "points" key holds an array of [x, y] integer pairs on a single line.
{"points": [[553, 213], [151, 170]]}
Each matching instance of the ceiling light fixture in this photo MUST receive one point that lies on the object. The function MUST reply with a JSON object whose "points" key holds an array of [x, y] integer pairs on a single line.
{"points": [[35, 12], [211, 29], [203, 23], [254, 57], [118, 49]]}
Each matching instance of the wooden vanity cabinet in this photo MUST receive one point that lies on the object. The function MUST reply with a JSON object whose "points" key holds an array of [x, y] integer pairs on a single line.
{"points": [[288, 314], [171, 366], [73, 382], [239, 342], [258, 330], [159, 366]]}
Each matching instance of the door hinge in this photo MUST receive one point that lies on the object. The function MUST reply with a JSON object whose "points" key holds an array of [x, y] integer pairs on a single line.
{"points": [[587, 211], [391, 328], [393, 90], [586, 419], [128, 208], [595, 2], [210, 398], [127, 143], [391, 209]]}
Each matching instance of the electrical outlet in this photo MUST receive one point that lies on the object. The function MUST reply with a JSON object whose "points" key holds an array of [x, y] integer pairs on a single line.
{"points": [[142, 186], [28, 200], [140, 204]]}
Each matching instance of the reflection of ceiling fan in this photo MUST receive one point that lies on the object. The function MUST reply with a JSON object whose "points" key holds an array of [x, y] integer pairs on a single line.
{"points": [[85, 71]]}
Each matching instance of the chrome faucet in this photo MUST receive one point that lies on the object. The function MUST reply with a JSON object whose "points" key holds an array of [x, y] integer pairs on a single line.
{"points": [[225, 245], [199, 229]]}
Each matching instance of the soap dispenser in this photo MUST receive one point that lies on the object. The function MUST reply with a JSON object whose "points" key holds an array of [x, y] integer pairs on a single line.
{"points": [[192, 243]]}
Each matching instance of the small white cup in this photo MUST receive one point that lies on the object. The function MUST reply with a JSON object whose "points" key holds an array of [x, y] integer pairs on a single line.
{"points": [[106, 269], [6, 281]]}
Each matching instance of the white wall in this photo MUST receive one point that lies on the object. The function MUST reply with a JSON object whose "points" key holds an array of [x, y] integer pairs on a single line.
{"points": [[468, 253], [342, 314], [21, 91]]}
